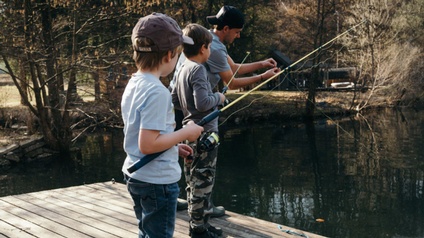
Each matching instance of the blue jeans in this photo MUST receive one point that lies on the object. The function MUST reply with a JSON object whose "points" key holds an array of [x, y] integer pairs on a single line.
{"points": [[155, 207]]}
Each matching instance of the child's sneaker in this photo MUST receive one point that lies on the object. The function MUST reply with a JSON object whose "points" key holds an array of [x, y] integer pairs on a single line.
{"points": [[211, 231]]}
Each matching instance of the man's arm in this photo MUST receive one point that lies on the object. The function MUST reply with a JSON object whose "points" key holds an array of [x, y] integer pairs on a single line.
{"points": [[251, 67], [237, 83]]}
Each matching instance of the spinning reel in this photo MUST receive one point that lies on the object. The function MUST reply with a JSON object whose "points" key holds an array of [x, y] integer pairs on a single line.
{"points": [[208, 142]]}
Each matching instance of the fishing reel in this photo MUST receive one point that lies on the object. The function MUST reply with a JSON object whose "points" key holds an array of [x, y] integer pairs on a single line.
{"points": [[208, 142]]}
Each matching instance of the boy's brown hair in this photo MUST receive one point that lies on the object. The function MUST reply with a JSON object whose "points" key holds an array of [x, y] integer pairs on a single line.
{"points": [[150, 60], [200, 35]]}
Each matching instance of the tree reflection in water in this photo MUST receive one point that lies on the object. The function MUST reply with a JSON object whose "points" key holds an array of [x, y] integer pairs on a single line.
{"points": [[364, 176]]}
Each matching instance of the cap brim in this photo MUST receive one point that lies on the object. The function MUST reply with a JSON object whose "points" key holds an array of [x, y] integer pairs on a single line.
{"points": [[213, 20], [188, 40]]}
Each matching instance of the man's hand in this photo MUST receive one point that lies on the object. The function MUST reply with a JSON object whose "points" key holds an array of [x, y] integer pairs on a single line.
{"points": [[270, 73], [269, 63]]}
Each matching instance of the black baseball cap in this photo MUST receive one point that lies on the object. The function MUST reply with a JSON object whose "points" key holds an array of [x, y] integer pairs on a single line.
{"points": [[227, 16]]}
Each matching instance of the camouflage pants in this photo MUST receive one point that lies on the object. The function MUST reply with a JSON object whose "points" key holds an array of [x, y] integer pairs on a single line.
{"points": [[200, 178]]}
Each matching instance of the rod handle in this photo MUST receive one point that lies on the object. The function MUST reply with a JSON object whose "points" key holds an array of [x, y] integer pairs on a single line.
{"points": [[209, 117]]}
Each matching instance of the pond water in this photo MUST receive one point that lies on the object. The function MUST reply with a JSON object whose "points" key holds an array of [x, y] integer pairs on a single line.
{"points": [[363, 176]]}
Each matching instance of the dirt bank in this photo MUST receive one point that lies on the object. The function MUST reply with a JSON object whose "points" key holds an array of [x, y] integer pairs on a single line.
{"points": [[16, 120], [285, 105]]}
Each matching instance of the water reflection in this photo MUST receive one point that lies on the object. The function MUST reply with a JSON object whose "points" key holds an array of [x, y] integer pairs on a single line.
{"points": [[98, 160], [364, 176]]}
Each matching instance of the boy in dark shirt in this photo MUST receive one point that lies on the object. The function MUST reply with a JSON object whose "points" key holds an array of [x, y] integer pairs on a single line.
{"points": [[192, 93]]}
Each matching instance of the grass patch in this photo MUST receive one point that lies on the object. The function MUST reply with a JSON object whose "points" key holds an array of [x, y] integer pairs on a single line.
{"points": [[9, 96]]}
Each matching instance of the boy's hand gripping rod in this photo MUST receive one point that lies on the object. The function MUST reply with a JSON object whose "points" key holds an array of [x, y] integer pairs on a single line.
{"points": [[146, 159]]}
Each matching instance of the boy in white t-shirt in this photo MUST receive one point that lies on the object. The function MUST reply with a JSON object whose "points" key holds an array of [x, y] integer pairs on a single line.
{"points": [[192, 93], [148, 115]]}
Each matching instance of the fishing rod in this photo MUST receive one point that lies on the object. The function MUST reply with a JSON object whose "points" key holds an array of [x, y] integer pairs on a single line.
{"points": [[146, 159], [224, 90], [290, 66], [208, 118]]}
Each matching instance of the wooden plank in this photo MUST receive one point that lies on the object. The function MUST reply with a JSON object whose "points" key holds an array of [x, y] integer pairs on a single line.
{"points": [[183, 218], [109, 192], [113, 192], [17, 226], [125, 221], [105, 210], [105, 200], [84, 228], [234, 229], [234, 225], [104, 222], [118, 189], [41, 221], [181, 228], [1, 235], [9, 230], [93, 200]]}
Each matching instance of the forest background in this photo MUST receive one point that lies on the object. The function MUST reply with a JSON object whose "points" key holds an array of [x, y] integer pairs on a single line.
{"points": [[49, 48]]}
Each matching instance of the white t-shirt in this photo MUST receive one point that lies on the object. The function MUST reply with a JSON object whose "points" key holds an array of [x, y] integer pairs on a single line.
{"points": [[146, 104]]}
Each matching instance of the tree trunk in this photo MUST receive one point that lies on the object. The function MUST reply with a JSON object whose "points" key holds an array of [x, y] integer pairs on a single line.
{"points": [[310, 102]]}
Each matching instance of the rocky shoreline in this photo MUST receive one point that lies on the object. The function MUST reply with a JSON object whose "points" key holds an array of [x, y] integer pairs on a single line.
{"points": [[32, 149]]}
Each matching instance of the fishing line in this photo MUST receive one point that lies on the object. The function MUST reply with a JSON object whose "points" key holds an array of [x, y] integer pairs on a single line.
{"points": [[287, 68], [252, 101], [268, 92], [224, 90], [146, 159], [322, 47]]}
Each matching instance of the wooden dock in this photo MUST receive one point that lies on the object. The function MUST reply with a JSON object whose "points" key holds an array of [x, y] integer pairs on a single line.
{"points": [[105, 210]]}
